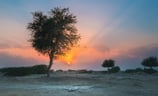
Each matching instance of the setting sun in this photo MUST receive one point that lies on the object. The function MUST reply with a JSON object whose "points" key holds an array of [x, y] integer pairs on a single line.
{"points": [[68, 58]]}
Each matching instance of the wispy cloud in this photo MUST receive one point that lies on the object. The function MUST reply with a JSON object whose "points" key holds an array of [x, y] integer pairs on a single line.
{"points": [[8, 60]]}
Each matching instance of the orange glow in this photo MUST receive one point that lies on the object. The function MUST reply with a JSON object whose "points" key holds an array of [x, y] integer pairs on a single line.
{"points": [[75, 56], [83, 53], [68, 58], [25, 53]]}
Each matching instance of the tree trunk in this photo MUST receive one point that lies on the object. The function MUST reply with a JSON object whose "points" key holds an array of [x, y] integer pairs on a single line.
{"points": [[51, 57], [108, 69]]}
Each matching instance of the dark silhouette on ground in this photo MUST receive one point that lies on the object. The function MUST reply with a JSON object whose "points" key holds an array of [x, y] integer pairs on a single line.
{"points": [[140, 70], [150, 62], [53, 34], [114, 69], [108, 63], [24, 71], [137, 70]]}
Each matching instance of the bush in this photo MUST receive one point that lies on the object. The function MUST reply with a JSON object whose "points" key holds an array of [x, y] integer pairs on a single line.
{"points": [[134, 70], [70, 70], [114, 69], [130, 71], [39, 69], [23, 71], [83, 71], [139, 70], [17, 71], [150, 71], [59, 71]]}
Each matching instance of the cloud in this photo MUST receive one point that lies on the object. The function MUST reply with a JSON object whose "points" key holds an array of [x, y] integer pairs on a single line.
{"points": [[8, 60], [84, 58], [134, 57], [151, 50], [92, 58], [13, 32], [4, 46]]}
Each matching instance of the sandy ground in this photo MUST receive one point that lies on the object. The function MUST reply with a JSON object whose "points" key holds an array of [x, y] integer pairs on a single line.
{"points": [[72, 84]]}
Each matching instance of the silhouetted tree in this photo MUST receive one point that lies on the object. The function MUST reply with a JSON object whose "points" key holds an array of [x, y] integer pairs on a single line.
{"points": [[114, 69], [53, 34], [150, 62], [108, 63]]}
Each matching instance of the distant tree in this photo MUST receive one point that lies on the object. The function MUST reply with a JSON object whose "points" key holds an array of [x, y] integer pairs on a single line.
{"points": [[53, 34], [108, 63], [150, 62], [114, 69]]}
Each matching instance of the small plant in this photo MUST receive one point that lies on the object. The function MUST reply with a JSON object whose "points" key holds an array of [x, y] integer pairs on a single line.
{"points": [[84, 71], [59, 71], [114, 69], [139, 70], [39, 69], [150, 71], [134, 70], [129, 70]]}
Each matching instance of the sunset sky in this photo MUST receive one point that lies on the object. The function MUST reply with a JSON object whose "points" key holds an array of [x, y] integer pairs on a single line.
{"points": [[123, 30]]}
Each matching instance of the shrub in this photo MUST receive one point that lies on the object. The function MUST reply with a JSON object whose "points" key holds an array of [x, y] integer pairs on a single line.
{"points": [[17, 71], [59, 71], [130, 70], [70, 70], [134, 70], [84, 71], [114, 69], [139, 70], [39, 69], [150, 71], [23, 71]]}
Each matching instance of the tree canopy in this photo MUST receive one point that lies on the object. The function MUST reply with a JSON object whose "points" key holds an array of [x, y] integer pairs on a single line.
{"points": [[150, 62], [53, 33], [108, 63]]}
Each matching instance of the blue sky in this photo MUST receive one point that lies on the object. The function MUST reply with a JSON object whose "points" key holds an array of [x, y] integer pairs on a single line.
{"points": [[124, 30]]}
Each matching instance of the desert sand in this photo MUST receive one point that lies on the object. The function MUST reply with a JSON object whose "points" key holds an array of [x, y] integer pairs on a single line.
{"points": [[75, 84]]}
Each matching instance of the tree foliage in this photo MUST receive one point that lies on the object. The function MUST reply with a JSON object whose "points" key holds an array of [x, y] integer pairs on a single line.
{"points": [[150, 62], [54, 33], [108, 63]]}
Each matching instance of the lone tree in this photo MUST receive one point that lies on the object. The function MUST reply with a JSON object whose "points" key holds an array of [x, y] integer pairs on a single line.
{"points": [[108, 63], [54, 33], [150, 62]]}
